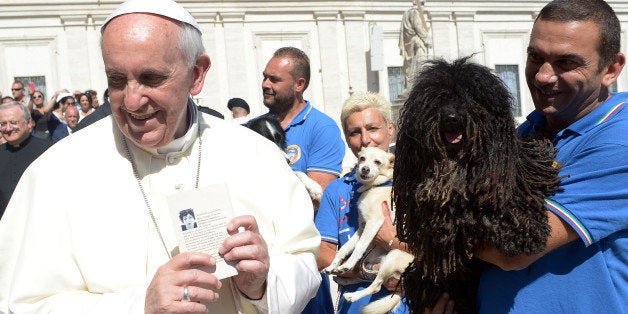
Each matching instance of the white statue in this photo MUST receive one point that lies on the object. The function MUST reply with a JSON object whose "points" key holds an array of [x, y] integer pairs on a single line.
{"points": [[413, 42]]}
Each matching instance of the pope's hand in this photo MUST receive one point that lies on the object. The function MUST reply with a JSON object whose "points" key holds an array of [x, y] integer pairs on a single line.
{"points": [[250, 253], [185, 272]]}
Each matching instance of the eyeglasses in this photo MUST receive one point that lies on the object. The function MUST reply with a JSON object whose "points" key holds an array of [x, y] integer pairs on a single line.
{"points": [[39, 96], [13, 123], [17, 89]]}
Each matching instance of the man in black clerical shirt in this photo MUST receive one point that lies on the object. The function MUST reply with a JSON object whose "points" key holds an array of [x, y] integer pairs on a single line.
{"points": [[20, 149]]}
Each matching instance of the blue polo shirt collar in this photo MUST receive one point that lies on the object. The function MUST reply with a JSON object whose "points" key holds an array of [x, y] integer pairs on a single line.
{"points": [[305, 112], [598, 115], [586, 123]]}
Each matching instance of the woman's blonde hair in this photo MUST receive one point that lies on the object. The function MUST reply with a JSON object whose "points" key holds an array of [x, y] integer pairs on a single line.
{"points": [[361, 101]]}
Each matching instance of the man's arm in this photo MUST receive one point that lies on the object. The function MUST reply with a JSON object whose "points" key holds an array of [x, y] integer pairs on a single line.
{"points": [[561, 234], [322, 178], [326, 254], [326, 154]]}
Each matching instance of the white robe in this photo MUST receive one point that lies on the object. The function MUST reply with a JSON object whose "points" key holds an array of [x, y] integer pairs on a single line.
{"points": [[96, 252]]}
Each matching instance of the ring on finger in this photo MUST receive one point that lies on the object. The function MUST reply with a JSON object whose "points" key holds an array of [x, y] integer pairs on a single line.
{"points": [[186, 296]]}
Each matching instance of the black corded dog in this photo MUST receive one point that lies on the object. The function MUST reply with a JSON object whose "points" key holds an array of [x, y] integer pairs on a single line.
{"points": [[465, 179]]}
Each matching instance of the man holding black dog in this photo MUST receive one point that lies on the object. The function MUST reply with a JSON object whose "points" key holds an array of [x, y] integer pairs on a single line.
{"points": [[573, 59]]}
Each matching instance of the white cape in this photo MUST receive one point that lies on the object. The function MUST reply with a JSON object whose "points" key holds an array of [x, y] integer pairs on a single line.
{"points": [[96, 251]]}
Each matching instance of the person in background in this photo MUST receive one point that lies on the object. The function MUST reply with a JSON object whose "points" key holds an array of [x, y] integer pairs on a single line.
{"points": [[119, 253], [7, 99], [44, 122], [18, 92], [105, 97], [239, 110], [20, 149], [99, 113], [85, 102], [313, 142], [65, 129], [93, 98], [573, 58], [63, 99]]}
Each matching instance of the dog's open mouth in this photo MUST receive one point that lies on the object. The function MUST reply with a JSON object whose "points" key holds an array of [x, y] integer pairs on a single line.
{"points": [[451, 127], [453, 137]]}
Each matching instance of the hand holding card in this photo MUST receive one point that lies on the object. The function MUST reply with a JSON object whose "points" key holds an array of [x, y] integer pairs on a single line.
{"points": [[200, 217]]}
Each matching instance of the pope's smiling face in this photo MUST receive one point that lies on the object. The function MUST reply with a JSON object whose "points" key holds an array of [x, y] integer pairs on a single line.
{"points": [[149, 80]]}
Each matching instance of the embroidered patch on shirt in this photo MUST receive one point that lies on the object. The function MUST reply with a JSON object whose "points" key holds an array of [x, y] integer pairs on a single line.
{"points": [[294, 153]]}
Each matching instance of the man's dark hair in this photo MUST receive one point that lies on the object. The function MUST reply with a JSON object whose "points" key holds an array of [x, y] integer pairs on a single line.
{"points": [[596, 11], [300, 62]]}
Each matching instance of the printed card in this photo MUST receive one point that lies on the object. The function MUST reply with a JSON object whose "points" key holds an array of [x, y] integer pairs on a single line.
{"points": [[200, 217]]}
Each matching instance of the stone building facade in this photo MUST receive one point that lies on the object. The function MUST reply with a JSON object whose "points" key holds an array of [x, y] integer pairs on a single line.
{"points": [[353, 45]]}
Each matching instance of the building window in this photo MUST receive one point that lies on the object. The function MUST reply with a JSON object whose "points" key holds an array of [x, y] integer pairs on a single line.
{"points": [[395, 83], [509, 74], [39, 81]]}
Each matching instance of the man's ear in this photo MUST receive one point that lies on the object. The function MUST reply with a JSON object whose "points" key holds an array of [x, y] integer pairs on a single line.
{"points": [[202, 65], [613, 70], [299, 85]]}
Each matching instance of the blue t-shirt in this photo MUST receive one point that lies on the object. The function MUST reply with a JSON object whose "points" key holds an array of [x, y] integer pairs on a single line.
{"points": [[591, 275], [337, 221], [314, 143]]}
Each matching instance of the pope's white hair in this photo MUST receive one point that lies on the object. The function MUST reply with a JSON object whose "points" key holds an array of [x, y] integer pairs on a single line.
{"points": [[190, 43]]}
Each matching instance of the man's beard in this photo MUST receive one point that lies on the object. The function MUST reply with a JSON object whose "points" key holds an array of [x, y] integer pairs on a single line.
{"points": [[281, 104]]}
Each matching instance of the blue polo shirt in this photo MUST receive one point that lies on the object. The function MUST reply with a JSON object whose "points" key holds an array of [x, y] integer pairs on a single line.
{"points": [[590, 275], [337, 221], [314, 143]]}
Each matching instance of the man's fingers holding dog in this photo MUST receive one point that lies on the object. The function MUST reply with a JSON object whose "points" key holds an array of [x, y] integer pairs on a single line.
{"points": [[387, 232], [443, 305]]}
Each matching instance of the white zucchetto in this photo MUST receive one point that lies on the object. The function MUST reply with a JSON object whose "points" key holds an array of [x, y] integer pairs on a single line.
{"points": [[166, 8]]}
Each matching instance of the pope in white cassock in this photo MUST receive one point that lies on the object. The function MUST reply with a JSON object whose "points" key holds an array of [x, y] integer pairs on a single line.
{"points": [[115, 251]]}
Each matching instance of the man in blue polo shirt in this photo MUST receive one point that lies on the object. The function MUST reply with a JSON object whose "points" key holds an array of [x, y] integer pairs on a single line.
{"points": [[313, 141], [573, 59]]}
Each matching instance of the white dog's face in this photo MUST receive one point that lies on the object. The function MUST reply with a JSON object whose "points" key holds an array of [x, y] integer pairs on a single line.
{"points": [[374, 163]]}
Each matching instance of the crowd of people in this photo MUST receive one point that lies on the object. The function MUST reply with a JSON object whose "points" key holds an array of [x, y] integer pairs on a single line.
{"points": [[116, 251], [59, 115]]}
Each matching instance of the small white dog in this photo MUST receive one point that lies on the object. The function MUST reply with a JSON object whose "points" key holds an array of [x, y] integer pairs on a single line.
{"points": [[375, 169]]}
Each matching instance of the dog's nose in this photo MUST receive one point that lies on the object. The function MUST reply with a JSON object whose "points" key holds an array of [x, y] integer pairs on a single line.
{"points": [[451, 118], [365, 170]]}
